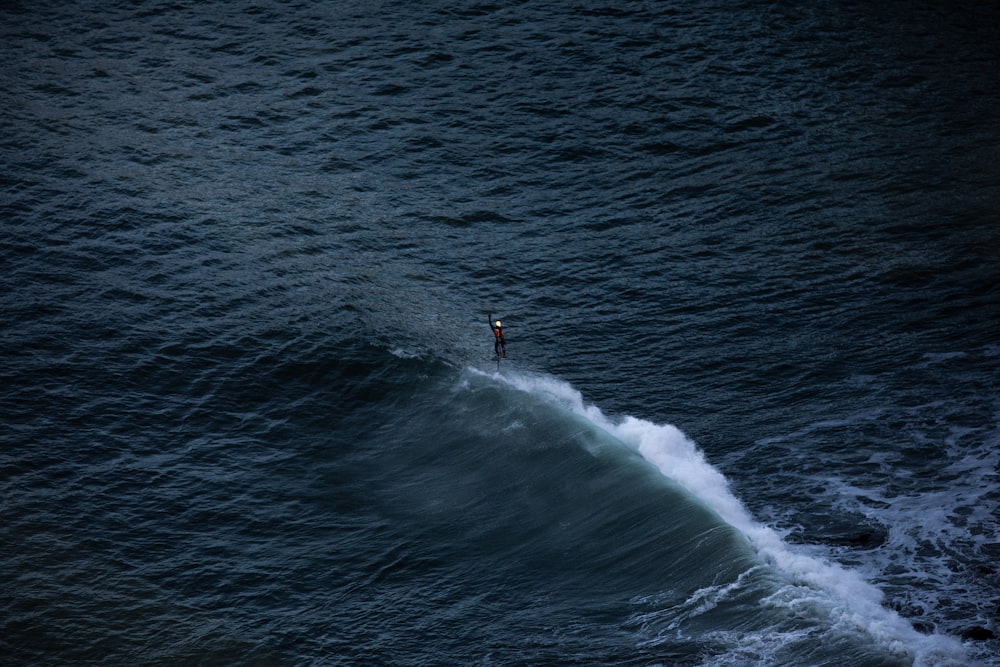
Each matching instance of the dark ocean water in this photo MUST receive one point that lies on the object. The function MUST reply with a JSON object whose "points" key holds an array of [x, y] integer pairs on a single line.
{"points": [[747, 256]]}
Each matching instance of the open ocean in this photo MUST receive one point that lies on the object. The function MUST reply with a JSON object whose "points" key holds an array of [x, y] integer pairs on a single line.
{"points": [[746, 254]]}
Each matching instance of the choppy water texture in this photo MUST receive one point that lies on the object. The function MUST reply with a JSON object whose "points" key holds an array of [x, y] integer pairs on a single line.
{"points": [[746, 255]]}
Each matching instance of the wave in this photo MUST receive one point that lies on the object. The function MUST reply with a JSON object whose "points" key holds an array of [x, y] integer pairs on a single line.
{"points": [[803, 584]]}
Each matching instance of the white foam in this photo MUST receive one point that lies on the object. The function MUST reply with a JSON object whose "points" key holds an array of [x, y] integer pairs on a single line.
{"points": [[851, 602]]}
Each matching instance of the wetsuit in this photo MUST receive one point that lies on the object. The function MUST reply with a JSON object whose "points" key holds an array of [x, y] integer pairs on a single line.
{"points": [[499, 344]]}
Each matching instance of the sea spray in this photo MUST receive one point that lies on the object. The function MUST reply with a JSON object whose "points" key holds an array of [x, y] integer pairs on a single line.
{"points": [[813, 585]]}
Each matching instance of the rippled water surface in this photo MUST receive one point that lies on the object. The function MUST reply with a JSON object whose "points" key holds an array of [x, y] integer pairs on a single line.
{"points": [[746, 257]]}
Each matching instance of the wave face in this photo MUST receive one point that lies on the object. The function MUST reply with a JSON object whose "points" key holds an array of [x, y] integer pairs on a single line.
{"points": [[845, 612], [746, 259]]}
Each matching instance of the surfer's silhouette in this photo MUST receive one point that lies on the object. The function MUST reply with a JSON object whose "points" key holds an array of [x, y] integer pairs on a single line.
{"points": [[499, 343]]}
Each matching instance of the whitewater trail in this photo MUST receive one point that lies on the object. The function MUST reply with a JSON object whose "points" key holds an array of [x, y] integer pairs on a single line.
{"points": [[850, 601]]}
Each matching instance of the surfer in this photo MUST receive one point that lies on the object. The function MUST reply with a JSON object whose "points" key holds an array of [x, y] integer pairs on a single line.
{"points": [[499, 343]]}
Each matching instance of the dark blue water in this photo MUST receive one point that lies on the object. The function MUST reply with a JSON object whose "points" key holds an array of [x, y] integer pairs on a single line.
{"points": [[747, 257]]}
